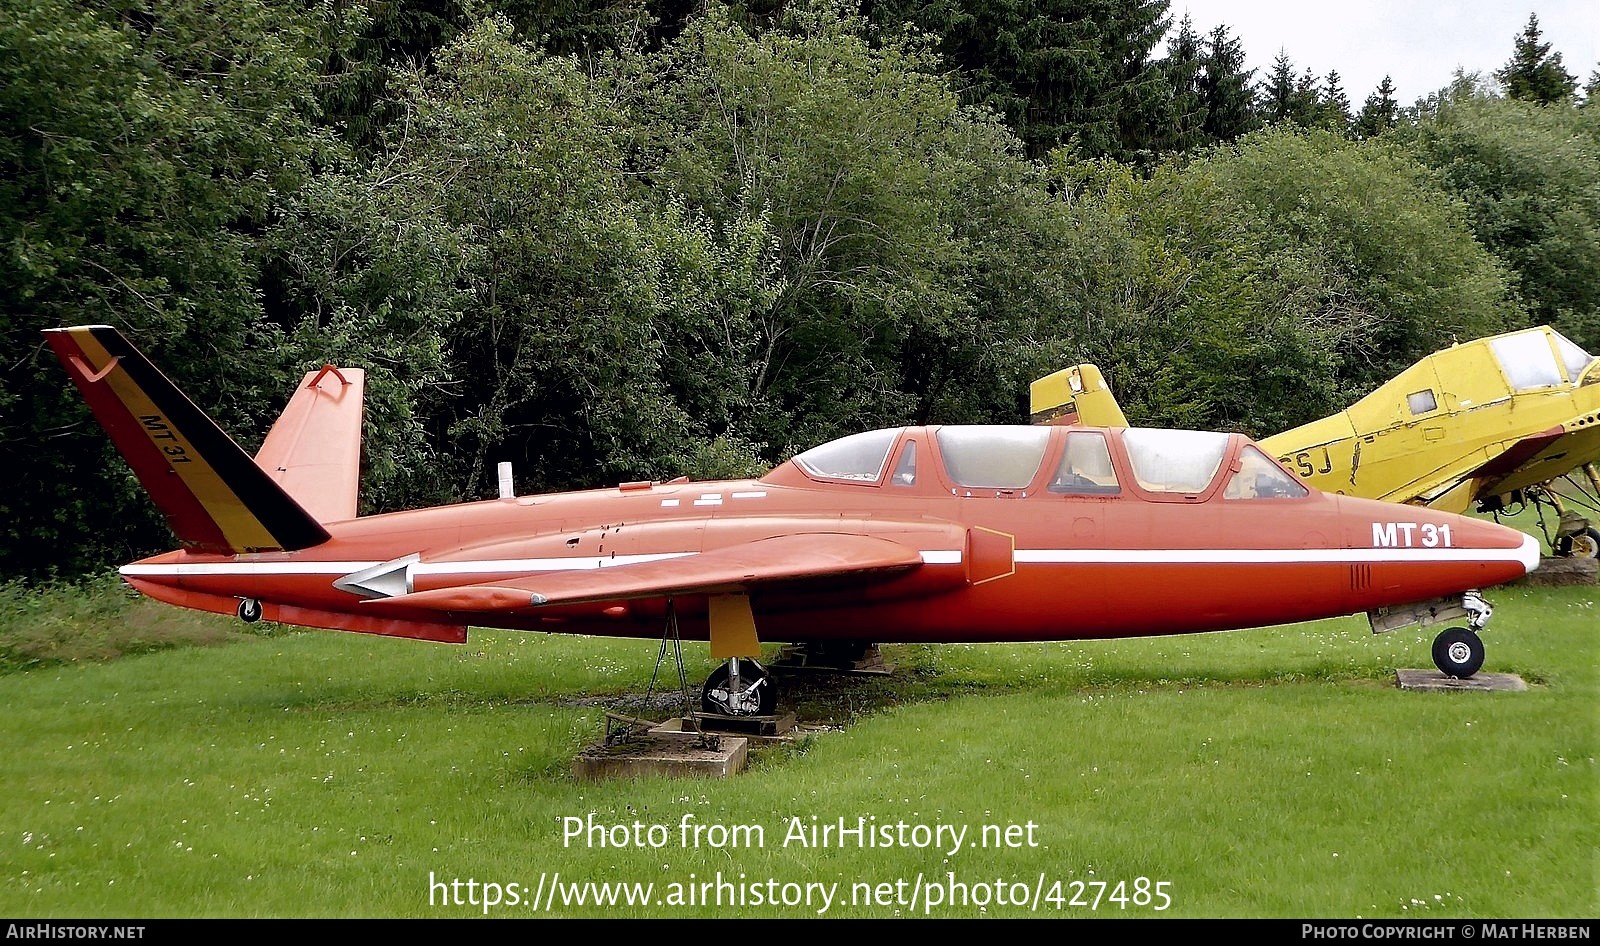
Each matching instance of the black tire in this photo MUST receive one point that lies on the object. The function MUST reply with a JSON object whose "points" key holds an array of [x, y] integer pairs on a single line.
{"points": [[1585, 544], [760, 696], [1458, 652], [249, 610]]}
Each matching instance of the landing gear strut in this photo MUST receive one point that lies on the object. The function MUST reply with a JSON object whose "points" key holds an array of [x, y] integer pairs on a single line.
{"points": [[740, 687], [1574, 536]]}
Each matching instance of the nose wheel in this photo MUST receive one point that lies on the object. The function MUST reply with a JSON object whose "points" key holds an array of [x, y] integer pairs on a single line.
{"points": [[740, 687], [1458, 652]]}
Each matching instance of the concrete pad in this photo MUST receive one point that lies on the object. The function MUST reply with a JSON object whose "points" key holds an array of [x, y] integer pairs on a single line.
{"points": [[1434, 680], [794, 733], [1553, 572], [663, 753]]}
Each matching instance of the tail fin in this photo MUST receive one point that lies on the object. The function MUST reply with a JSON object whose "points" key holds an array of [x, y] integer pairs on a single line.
{"points": [[314, 449], [1076, 395], [214, 496]]}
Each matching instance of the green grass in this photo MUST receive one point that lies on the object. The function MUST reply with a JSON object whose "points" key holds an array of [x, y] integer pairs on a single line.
{"points": [[1275, 772], [99, 620]]}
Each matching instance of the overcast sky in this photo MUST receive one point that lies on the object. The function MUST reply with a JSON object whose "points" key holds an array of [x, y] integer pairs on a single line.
{"points": [[1418, 43]]}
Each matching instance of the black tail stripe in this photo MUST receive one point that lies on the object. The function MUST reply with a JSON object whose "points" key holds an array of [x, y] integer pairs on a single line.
{"points": [[292, 526]]}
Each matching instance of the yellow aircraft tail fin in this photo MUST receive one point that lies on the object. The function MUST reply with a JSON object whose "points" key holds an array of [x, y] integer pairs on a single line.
{"points": [[1076, 395]]}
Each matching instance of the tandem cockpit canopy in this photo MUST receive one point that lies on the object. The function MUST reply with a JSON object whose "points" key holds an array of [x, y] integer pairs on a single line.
{"points": [[992, 459]]}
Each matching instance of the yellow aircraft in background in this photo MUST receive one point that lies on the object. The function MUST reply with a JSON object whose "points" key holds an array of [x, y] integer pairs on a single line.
{"points": [[1489, 424]]}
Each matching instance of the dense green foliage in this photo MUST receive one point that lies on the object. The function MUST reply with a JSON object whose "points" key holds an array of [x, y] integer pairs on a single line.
{"points": [[1530, 178], [615, 239], [1264, 284]]}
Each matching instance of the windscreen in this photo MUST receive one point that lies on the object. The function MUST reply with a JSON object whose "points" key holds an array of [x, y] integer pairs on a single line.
{"points": [[858, 457]]}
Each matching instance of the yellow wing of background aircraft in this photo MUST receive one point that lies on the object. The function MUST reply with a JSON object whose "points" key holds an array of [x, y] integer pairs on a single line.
{"points": [[1489, 423]]}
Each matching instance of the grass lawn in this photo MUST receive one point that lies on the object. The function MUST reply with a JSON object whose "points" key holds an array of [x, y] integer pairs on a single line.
{"points": [[1273, 772]]}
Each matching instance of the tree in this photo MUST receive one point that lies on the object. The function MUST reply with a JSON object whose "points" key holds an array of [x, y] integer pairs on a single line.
{"points": [[1283, 97], [1184, 127], [1260, 285], [1379, 113], [1276, 93], [1225, 87], [908, 227], [1334, 110], [524, 300], [1534, 72], [143, 151], [1529, 176], [1059, 71]]}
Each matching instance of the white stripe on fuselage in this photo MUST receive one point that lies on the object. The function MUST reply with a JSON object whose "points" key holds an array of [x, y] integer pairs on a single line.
{"points": [[482, 566], [1527, 554]]}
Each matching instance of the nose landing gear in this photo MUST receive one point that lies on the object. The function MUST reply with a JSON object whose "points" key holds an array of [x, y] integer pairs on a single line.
{"points": [[1458, 651]]}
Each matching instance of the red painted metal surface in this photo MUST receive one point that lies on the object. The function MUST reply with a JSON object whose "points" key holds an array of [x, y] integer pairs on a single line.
{"points": [[918, 534], [993, 566]]}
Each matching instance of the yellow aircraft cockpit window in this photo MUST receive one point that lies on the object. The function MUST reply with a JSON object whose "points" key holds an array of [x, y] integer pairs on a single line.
{"points": [[1260, 478], [1085, 468], [1575, 358], [984, 456], [1174, 461], [1422, 402], [1527, 360], [858, 457]]}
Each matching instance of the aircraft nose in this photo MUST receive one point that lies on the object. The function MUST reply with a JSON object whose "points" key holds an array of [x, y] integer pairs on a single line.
{"points": [[1475, 551], [1529, 553]]}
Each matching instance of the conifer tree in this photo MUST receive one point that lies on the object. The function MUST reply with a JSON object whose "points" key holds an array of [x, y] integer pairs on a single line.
{"points": [[1187, 112], [1059, 71], [1534, 72], [1276, 93], [1380, 112], [1305, 104], [1334, 111], [1138, 91], [1225, 88]]}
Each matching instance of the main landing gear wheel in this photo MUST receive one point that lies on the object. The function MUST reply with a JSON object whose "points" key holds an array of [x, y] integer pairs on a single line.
{"points": [[249, 610], [1458, 652], [740, 687], [1585, 544]]}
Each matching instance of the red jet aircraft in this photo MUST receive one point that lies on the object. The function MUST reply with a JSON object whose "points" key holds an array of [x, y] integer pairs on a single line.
{"points": [[916, 534]]}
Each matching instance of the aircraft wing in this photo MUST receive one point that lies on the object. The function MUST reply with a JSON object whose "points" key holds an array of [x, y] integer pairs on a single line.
{"points": [[830, 556], [1539, 458]]}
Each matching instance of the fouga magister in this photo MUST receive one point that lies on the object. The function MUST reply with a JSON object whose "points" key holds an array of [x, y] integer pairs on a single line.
{"points": [[914, 534]]}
